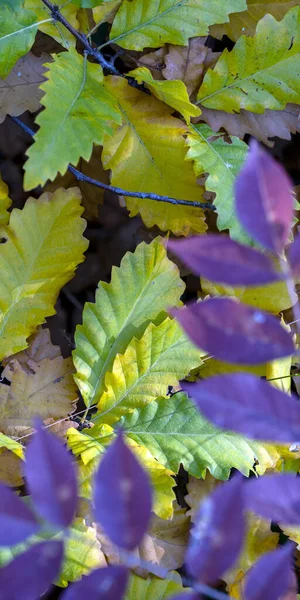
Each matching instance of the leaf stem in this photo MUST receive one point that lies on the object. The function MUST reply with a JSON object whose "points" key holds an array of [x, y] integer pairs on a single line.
{"points": [[57, 16], [120, 191]]}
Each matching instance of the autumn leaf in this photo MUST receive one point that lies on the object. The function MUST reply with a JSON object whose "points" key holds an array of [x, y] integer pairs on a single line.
{"points": [[148, 151], [55, 30], [260, 72], [5, 203], [20, 90], [72, 120], [44, 245]]}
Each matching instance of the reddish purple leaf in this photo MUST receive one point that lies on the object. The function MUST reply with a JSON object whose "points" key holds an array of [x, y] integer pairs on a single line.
{"points": [[271, 576], [51, 478], [122, 496], [30, 574], [264, 199], [294, 257], [275, 497], [103, 584], [234, 332], [217, 536], [244, 403], [222, 260], [17, 522]]}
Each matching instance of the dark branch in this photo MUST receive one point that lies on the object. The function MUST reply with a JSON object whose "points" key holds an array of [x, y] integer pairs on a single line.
{"points": [[120, 191], [57, 16]]}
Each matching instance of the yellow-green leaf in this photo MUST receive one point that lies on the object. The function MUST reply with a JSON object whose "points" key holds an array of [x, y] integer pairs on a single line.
{"points": [[145, 285], [78, 112], [153, 588], [162, 357], [55, 29], [142, 23], [244, 23], [17, 33], [260, 72], [44, 245], [5, 203], [223, 161], [11, 444], [172, 92], [147, 154], [273, 297]]}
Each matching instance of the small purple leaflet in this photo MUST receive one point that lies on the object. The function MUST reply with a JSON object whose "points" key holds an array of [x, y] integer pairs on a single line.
{"points": [[17, 522], [30, 574], [102, 584], [51, 478], [271, 576], [234, 332], [220, 259], [217, 536], [122, 496], [294, 257], [186, 596], [244, 403], [275, 497], [264, 199]]}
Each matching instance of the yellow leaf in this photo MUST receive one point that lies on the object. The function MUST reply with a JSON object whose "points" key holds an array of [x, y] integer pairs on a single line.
{"points": [[56, 29], [273, 297], [44, 245], [5, 203], [146, 153], [153, 588], [10, 444], [172, 92]]}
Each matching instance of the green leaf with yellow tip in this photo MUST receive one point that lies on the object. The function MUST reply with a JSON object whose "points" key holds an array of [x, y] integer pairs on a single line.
{"points": [[172, 92], [151, 23], [78, 112], [146, 284], [17, 32], [44, 244], [260, 72]]}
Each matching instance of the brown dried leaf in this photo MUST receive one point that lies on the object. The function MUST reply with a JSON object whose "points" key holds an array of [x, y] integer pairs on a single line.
{"points": [[198, 489], [10, 469], [92, 196], [164, 544], [20, 90], [271, 123], [48, 391], [40, 347], [187, 63]]}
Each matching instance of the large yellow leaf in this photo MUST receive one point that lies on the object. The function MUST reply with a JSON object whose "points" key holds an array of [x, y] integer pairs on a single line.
{"points": [[44, 245], [142, 23], [78, 112], [172, 92], [260, 72], [145, 285], [147, 154], [244, 23], [162, 357]]}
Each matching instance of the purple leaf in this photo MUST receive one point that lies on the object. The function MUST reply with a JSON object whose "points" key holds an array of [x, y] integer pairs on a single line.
{"points": [[185, 596], [122, 496], [30, 574], [103, 584], [294, 257], [244, 403], [17, 522], [264, 200], [51, 478], [234, 332], [271, 576], [222, 260], [275, 497], [217, 536]]}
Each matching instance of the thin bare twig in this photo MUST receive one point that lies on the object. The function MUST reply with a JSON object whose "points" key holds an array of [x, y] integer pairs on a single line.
{"points": [[98, 56], [120, 191]]}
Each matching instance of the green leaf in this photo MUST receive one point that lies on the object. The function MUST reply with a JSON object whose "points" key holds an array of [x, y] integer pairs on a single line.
{"points": [[162, 357], [17, 33], [223, 161], [78, 112], [260, 72], [152, 588], [142, 23], [145, 284], [175, 432], [172, 92], [44, 246]]}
